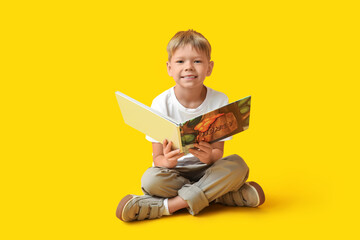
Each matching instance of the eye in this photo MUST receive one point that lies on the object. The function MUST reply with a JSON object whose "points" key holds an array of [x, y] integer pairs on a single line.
{"points": [[197, 61], [179, 61]]}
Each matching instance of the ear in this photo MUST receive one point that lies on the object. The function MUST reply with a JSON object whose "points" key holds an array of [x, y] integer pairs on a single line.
{"points": [[210, 68], [168, 66]]}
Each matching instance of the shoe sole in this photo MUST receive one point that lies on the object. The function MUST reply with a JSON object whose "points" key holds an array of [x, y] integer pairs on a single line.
{"points": [[260, 192], [122, 205]]}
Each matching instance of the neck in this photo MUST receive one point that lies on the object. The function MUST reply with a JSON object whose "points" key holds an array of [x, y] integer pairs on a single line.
{"points": [[190, 98]]}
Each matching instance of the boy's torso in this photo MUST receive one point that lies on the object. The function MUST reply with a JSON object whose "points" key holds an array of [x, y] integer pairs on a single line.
{"points": [[168, 104]]}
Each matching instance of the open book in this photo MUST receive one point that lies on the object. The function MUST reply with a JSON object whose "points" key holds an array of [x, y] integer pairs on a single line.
{"points": [[210, 127]]}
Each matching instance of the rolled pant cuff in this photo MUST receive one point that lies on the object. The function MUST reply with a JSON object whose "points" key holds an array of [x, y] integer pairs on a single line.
{"points": [[195, 198]]}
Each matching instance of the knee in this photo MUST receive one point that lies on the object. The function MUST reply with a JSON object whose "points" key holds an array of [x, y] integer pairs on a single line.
{"points": [[239, 169], [154, 182], [150, 181]]}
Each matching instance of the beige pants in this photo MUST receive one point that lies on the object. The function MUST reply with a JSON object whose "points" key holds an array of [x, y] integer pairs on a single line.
{"points": [[198, 184]]}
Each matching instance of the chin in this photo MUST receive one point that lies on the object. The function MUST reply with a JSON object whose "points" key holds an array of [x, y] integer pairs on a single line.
{"points": [[189, 84]]}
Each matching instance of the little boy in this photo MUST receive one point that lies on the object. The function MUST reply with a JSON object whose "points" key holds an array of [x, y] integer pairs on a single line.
{"points": [[203, 176]]}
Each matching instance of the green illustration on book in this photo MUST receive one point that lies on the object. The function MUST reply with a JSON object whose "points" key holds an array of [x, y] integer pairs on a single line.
{"points": [[209, 127]]}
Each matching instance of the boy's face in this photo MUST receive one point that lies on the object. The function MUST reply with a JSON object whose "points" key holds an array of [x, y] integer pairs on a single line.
{"points": [[188, 67]]}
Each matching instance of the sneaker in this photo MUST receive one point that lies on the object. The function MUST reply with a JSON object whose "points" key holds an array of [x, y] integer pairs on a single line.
{"points": [[133, 207], [249, 195]]}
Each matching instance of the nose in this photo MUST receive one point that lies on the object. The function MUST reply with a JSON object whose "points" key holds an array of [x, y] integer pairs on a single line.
{"points": [[188, 66]]}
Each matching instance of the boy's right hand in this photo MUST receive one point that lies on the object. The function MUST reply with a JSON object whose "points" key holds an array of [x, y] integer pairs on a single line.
{"points": [[171, 157]]}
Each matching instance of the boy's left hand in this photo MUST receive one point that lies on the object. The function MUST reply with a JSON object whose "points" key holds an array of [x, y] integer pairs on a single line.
{"points": [[204, 152]]}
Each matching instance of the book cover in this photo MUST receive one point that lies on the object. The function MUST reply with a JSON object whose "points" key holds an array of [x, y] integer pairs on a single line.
{"points": [[148, 120]]}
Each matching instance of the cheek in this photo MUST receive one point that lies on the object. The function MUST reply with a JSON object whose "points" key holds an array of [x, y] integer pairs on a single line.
{"points": [[178, 72], [203, 71]]}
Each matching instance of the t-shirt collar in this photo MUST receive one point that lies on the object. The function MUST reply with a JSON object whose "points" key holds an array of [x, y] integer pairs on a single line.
{"points": [[189, 110]]}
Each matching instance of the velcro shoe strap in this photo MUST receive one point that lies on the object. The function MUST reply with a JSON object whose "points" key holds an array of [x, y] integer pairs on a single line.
{"points": [[143, 212], [154, 212], [228, 200], [237, 198]]}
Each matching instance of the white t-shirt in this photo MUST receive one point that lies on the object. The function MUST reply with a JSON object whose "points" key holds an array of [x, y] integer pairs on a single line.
{"points": [[168, 104]]}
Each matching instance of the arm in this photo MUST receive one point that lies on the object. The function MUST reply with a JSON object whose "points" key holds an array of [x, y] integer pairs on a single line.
{"points": [[163, 156], [208, 153]]}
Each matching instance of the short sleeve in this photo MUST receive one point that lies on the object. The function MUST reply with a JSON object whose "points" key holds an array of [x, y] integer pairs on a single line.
{"points": [[150, 139]]}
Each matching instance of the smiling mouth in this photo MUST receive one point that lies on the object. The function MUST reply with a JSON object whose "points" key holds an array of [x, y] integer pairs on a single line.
{"points": [[189, 77]]}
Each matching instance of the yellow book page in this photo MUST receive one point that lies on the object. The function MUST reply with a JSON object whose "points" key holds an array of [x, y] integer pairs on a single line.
{"points": [[148, 120]]}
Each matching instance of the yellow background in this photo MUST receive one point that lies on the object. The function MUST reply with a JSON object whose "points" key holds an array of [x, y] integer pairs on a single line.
{"points": [[67, 158]]}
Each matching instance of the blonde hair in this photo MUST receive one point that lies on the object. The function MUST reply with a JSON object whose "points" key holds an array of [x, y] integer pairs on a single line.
{"points": [[195, 39]]}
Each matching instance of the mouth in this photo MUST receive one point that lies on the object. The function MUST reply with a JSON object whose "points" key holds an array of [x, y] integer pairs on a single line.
{"points": [[189, 77]]}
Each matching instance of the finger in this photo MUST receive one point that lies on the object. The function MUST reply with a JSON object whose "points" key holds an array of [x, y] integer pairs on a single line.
{"points": [[194, 152], [175, 158], [172, 153], [171, 160], [168, 147], [199, 153], [204, 148], [164, 143], [205, 144], [202, 155]]}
